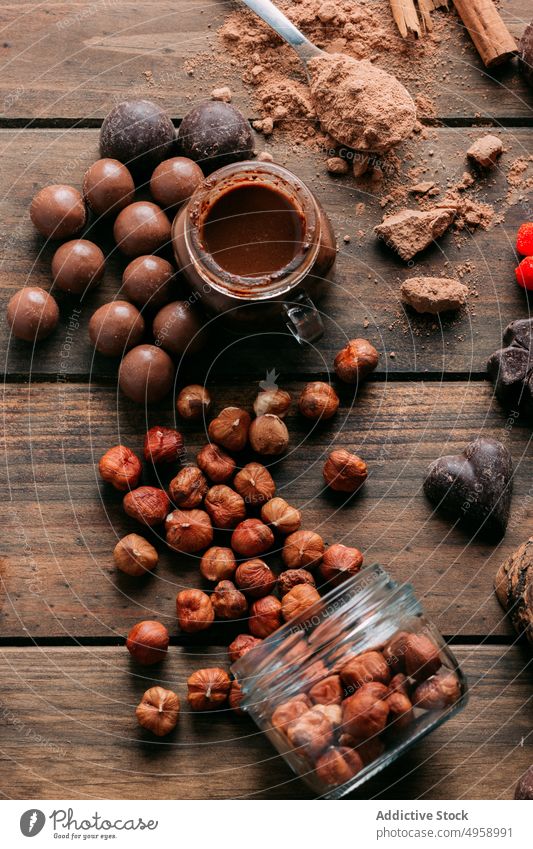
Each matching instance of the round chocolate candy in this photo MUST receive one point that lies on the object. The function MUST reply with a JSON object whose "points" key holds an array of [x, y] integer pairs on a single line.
{"points": [[179, 329], [77, 266], [108, 186], [146, 374], [147, 281], [115, 328], [174, 181], [138, 133], [58, 212], [215, 134], [32, 314], [141, 228]]}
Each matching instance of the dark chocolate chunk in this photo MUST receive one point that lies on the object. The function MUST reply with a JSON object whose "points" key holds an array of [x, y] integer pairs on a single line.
{"points": [[475, 486], [215, 134], [138, 133], [511, 368], [524, 788]]}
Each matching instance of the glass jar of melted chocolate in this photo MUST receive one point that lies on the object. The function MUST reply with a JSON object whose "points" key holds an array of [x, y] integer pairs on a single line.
{"points": [[254, 244]]}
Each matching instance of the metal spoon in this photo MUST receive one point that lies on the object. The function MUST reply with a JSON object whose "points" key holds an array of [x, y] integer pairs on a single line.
{"points": [[275, 18]]}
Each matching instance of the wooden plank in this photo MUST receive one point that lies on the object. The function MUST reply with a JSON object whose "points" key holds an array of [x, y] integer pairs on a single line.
{"points": [[364, 294], [73, 60], [62, 524], [67, 730]]}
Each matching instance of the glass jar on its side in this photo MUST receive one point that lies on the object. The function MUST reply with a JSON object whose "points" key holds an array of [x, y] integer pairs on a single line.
{"points": [[348, 686]]}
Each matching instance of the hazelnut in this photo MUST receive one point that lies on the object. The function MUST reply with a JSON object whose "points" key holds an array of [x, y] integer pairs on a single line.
{"points": [[194, 610], [310, 733], [302, 550], [265, 616], [275, 401], [437, 692], [208, 688], [251, 538], [225, 507], [339, 563], [134, 555], [235, 698], [368, 750], [366, 667], [255, 484], [289, 711], [281, 516], [400, 711], [332, 712], [296, 601], [148, 642], [147, 504], [228, 602], [313, 673], [158, 711], [414, 654], [215, 463], [163, 445], [218, 563], [365, 713], [188, 488], [399, 684], [327, 692], [188, 531], [292, 577], [318, 401], [338, 765], [120, 467], [230, 428], [394, 652], [356, 361], [344, 472], [241, 645], [193, 402], [268, 435], [255, 578]]}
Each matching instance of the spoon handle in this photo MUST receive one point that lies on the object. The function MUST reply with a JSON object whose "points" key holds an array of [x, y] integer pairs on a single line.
{"points": [[275, 18]]}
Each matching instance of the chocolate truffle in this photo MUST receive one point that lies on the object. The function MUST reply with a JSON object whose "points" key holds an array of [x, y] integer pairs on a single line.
{"points": [[215, 134], [147, 281], [108, 186], [58, 212], [174, 181], [178, 328], [146, 374], [511, 368], [141, 228], [77, 266], [32, 314], [138, 133], [115, 328]]}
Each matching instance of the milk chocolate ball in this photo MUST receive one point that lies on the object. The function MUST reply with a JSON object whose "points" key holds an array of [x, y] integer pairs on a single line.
{"points": [[147, 281], [141, 228], [138, 133], [174, 181], [146, 374], [77, 266], [108, 186], [58, 212], [215, 134], [178, 328], [115, 328], [32, 314]]}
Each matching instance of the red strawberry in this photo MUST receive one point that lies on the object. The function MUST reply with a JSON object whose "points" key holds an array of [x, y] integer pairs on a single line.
{"points": [[524, 239], [524, 273]]}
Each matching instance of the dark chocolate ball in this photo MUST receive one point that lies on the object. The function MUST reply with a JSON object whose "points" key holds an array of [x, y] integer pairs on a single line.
{"points": [[215, 134], [108, 186], [148, 281], [526, 54], [174, 181], [146, 374], [178, 328], [115, 328], [138, 133], [141, 228], [58, 212], [32, 314], [77, 266]]}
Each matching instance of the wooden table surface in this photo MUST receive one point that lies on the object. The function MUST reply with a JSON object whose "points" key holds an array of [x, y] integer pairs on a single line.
{"points": [[68, 689]]}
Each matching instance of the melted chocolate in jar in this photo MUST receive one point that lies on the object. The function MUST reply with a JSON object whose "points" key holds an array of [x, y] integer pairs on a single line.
{"points": [[253, 230]]}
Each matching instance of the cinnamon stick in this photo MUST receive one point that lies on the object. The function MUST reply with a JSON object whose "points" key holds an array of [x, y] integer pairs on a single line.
{"points": [[493, 41], [427, 6], [404, 13]]}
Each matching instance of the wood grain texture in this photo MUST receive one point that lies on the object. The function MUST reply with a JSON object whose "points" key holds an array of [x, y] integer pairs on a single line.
{"points": [[363, 298], [72, 60], [62, 524], [68, 730]]}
